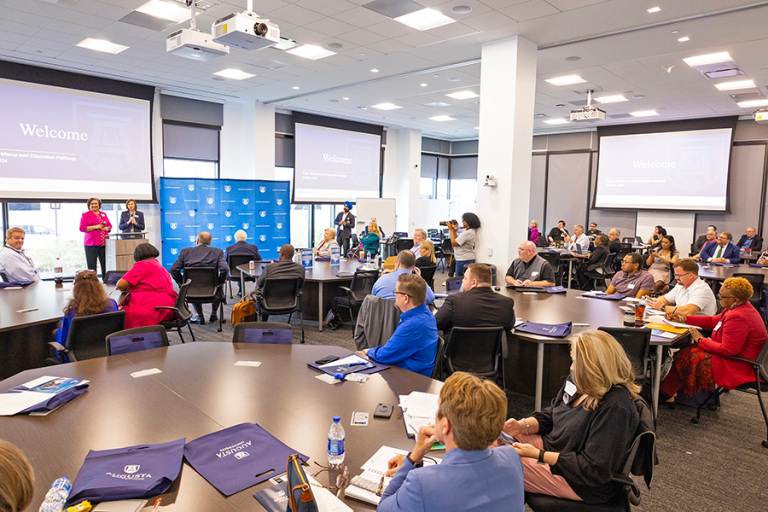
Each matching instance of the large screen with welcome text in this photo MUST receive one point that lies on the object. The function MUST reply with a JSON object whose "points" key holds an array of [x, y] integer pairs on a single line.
{"points": [[682, 170], [58, 143]]}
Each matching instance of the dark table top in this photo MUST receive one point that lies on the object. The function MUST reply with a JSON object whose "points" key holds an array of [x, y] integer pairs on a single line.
{"points": [[201, 391], [320, 271], [717, 273]]}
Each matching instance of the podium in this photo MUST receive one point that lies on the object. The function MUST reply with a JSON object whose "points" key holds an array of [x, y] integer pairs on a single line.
{"points": [[120, 250]]}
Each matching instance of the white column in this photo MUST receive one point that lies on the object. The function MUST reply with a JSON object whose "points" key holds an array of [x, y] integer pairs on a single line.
{"points": [[508, 90], [247, 144], [402, 171], [263, 147]]}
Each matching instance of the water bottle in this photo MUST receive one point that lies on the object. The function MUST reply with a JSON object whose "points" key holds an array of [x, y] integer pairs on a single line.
{"points": [[58, 272], [57, 495], [251, 266], [336, 443]]}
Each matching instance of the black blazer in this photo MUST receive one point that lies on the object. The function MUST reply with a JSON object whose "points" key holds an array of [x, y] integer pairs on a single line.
{"points": [[124, 227], [757, 243], [597, 257], [244, 248], [283, 269], [201, 256], [478, 307], [344, 231]]}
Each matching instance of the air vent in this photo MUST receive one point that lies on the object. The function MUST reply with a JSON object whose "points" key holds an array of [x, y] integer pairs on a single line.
{"points": [[723, 73], [619, 116]]}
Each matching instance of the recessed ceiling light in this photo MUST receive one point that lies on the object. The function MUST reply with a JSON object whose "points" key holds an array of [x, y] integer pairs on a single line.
{"points": [[557, 121], [234, 74], [654, 9], [335, 46], [423, 85], [101, 45], [710, 58], [566, 80], [461, 9], [295, 87], [463, 95], [345, 99], [675, 31], [732, 86], [425, 19], [286, 44], [386, 106], [374, 70], [644, 113], [574, 58], [611, 99], [165, 10], [442, 118], [753, 103], [311, 51], [684, 39], [454, 79]]}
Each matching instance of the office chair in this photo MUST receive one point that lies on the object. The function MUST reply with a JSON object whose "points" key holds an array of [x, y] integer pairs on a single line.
{"points": [[263, 332], [280, 297], [86, 336], [135, 340], [181, 313], [361, 286], [113, 276], [428, 274], [204, 288], [480, 350], [234, 260]]}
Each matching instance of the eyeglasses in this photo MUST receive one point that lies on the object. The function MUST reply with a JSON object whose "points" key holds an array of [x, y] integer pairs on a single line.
{"points": [[680, 276], [720, 296], [341, 479], [401, 293]]}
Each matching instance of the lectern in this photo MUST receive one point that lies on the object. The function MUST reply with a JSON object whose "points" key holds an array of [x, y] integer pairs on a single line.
{"points": [[120, 249]]}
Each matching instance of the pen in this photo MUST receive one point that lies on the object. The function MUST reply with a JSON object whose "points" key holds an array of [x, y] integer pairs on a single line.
{"points": [[381, 487], [157, 504], [358, 364], [26, 310]]}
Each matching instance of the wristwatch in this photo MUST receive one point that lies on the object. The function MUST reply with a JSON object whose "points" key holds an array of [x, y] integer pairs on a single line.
{"points": [[419, 465], [541, 457]]}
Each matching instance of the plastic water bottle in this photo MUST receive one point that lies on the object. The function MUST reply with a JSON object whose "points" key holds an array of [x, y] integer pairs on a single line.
{"points": [[58, 272], [336, 443], [57, 495]]}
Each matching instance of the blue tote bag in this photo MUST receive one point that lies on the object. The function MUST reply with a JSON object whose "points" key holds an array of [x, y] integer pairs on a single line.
{"points": [[553, 330], [139, 471], [238, 457]]}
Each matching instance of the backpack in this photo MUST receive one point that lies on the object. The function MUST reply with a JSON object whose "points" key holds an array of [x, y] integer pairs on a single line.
{"points": [[244, 311]]}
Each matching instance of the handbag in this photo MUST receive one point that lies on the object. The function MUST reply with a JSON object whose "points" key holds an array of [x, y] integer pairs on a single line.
{"points": [[302, 499], [132, 472], [244, 311]]}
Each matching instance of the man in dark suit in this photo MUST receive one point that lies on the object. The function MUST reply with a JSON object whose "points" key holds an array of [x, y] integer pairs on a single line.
{"points": [[346, 224], [477, 305], [751, 240], [614, 245], [284, 268], [241, 247], [202, 255]]}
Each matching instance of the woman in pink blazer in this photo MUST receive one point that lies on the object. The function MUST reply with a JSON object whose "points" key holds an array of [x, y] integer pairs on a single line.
{"points": [[96, 226]]}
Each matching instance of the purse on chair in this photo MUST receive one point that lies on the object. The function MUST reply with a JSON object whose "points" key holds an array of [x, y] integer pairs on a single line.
{"points": [[302, 497], [244, 311]]}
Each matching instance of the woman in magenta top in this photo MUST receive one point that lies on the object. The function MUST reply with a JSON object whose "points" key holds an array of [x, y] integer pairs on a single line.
{"points": [[533, 232], [96, 226], [150, 286]]}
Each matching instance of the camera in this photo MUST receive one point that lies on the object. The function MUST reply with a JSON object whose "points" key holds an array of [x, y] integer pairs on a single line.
{"points": [[443, 223]]}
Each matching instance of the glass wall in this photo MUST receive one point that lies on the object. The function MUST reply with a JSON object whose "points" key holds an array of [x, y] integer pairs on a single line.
{"points": [[300, 219]]}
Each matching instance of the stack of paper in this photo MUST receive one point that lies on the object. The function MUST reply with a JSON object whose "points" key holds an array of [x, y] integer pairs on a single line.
{"points": [[34, 392], [418, 411]]}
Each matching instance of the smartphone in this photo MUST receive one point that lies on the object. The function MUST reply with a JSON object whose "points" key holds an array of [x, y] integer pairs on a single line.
{"points": [[383, 411], [506, 438], [327, 359]]}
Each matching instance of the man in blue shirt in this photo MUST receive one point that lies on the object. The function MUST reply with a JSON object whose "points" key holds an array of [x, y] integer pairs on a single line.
{"points": [[413, 345], [14, 263], [405, 264]]}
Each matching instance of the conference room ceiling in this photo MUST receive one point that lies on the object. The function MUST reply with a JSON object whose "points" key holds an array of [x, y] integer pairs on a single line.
{"points": [[622, 50]]}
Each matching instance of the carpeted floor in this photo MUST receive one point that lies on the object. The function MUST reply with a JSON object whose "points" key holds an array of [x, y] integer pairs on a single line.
{"points": [[718, 465]]}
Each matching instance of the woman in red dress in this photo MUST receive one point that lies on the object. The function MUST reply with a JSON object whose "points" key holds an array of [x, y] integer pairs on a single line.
{"points": [[150, 285], [737, 331]]}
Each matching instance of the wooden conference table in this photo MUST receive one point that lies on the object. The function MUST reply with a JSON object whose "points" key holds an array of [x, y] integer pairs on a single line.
{"points": [[318, 295], [718, 273], [27, 318], [199, 392]]}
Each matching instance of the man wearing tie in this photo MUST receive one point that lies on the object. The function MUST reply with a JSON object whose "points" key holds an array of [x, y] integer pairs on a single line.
{"points": [[131, 220], [14, 263], [346, 223]]}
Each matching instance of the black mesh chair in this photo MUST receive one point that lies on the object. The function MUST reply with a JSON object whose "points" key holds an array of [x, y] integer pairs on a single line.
{"points": [[637, 345], [607, 271], [760, 367], [234, 260], [263, 332], [432, 234], [135, 340], [625, 249], [113, 276], [205, 288], [86, 336], [360, 287], [280, 297], [756, 280], [447, 249], [428, 274], [553, 258], [437, 371], [4, 277], [480, 350], [403, 244], [181, 313]]}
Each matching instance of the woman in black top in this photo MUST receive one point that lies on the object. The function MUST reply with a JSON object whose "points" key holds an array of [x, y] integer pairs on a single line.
{"points": [[583, 438], [595, 261], [658, 235], [426, 254]]}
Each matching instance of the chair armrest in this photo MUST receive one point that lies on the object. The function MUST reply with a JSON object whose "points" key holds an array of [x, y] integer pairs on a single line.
{"points": [[741, 360], [168, 307], [58, 347], [346, 289]]}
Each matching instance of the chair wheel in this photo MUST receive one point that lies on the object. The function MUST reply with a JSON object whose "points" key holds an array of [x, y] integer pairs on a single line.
{"points": [[695, 420], [765, 444]]}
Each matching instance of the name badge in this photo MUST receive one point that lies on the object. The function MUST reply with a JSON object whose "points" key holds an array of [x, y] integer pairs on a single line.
{"points": [[631, 286], [570, 390], [718, 326], [534, 274]]}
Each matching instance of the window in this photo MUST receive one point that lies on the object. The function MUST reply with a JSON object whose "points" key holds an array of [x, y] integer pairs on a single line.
{"points": [[181, 168], [463, 197], [426, 188]]}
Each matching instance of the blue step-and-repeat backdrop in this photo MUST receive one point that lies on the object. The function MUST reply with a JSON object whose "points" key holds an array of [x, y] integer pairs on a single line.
{"points": [[260, 208]]}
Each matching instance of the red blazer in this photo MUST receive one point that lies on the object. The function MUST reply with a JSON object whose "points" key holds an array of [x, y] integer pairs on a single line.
{"points": [[741, 333], [95, 237]]}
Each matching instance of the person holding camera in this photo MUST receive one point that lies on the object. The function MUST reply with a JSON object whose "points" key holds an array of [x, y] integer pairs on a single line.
{"points": [[464, 243], [96, 226]]}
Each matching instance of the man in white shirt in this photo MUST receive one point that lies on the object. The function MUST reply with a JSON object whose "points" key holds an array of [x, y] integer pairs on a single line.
{"points": [[14, 263], [418, 236], [579, 238], [691, 296]]}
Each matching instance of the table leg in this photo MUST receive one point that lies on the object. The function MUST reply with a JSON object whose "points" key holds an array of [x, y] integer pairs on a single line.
{"points": [[320, 306], [657, 380], [570, 271], [242, 284], [539, 375]]}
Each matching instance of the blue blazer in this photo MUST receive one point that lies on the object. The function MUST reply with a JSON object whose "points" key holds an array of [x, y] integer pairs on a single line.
{"points": [[731, 252], [124, 227], [489, 480]]}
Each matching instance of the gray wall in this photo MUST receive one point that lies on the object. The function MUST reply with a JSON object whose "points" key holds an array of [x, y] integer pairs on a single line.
{"points": [[567, 183]]}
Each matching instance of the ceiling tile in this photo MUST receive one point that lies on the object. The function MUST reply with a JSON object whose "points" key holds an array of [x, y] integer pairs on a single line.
{"points": [[297, 15], [71, 28], [105, 10], [40, 8], [391, 28], [501, 4], [305, 35], [87, 20], [418, 39], [24, 18], [363, 37], [327, 7], [529, 10], [38, 50], [12, 37], [488, 21], [360, 17], [390, 46], [569, 5], [452, 31], [331, 27]]}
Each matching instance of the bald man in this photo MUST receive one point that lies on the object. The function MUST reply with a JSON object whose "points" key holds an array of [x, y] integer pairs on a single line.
{"points": [[529, 269]]}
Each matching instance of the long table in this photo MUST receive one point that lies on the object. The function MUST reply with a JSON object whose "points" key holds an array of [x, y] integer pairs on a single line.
{"points": [[719, 273], [201, 391]]}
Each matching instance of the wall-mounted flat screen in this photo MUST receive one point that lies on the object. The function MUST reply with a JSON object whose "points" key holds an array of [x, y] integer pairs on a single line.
{"points": [[681, 170], [333, 165], [64, 144]]}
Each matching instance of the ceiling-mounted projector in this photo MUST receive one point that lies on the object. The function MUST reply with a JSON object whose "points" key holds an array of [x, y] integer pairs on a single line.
{"points": [[588, 114], [246, 31], [761, 116], [193, 44]]}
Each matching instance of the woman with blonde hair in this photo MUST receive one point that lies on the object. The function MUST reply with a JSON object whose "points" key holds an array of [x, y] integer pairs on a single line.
{"points": [[16, 479], [427, 254], [371, 240], [328, 243], [573, 448]]}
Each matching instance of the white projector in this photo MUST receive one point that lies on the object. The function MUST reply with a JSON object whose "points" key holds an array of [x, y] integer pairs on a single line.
{"points": [[761, 116], [588, 114], [246, 31], [194, 44]]}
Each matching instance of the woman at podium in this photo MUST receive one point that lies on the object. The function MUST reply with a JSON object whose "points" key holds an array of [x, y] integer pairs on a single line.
{"points": [[96, 226], [131, 220]]}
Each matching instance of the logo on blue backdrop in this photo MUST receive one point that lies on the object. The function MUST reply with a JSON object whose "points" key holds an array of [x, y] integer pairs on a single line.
{"points": [[279, 225], [191, 213], [210, 225], [228, 238], [174, 251], [191, 238], [191, 188], [279, 202], [263, 213], [245, 200], [262, 189], [172, 200], [174, 225], [227, 188], [263, 238], [228, 213], [209, 200], [245, 225]]}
